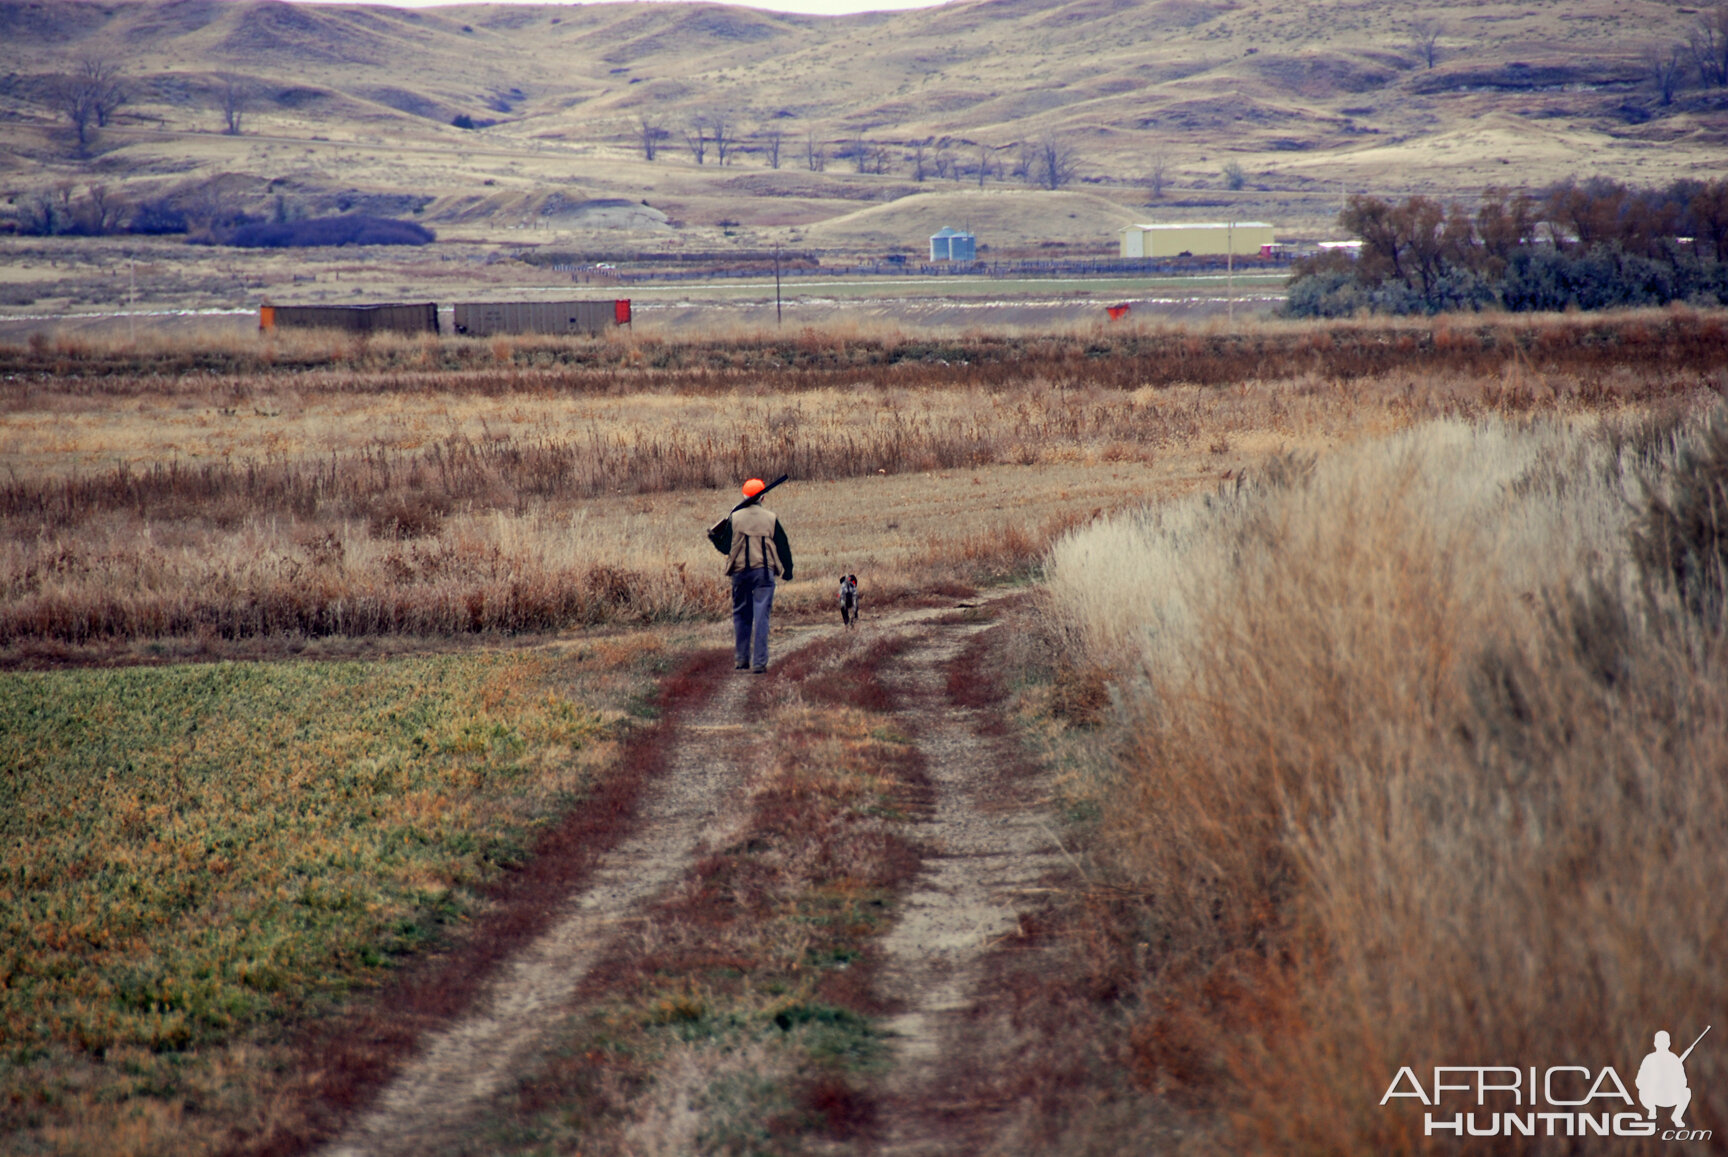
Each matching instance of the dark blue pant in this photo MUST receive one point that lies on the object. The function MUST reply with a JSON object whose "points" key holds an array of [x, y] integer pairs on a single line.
{"points": [[752, 599]]}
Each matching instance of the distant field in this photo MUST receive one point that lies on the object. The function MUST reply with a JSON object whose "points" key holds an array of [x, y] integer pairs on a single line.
{"points": [[254, 492]]}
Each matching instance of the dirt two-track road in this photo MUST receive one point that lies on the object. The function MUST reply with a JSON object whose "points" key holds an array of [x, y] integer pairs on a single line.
{"points": [[987, 847]]}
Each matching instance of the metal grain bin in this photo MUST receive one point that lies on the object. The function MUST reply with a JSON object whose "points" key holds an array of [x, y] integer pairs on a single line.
{"points": [[417, 317], [482, 318]]}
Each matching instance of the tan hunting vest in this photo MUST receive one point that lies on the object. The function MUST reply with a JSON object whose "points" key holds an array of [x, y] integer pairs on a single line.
{"points": [[753, 541]]}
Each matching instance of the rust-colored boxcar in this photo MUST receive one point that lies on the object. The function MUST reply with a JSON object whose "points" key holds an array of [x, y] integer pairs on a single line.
{"points": [[416, 317], [481, 318]]}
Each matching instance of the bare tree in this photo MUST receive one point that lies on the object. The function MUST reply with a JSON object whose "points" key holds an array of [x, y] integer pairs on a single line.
{"points": [[985, 152], [77, 100], [772, 138], [696, 137], [106, 84], [210, 208], [102, 211], [1708, 46], [41, 215], [1054, 161], [916, 156], [234, 100], [1425, 41], [650, 133], [1667, 69], [1158, 176], [723, 143], [860, 153], [815, 155]]}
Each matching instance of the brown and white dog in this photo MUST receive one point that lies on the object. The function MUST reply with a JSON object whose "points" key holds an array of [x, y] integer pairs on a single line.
{"points": [[849, 600]]}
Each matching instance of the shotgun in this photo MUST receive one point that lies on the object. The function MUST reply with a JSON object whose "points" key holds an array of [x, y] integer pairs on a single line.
{"points": [[1694, 1044], [720, 534]]}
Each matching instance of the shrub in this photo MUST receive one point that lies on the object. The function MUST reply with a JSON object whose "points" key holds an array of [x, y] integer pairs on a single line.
{"points": [[1331, 293], [157, 217], [1605, 246], [355, 229]]}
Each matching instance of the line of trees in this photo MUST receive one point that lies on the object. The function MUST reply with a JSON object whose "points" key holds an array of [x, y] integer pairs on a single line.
{"points": [[1587, 245], [89, 96], [1052, 161], [208, 213]]}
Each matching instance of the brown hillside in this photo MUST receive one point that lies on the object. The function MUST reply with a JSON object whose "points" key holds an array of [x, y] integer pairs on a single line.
{"points": [[1309, 97]]}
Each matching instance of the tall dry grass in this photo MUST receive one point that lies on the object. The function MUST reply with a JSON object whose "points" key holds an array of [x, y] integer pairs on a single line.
{"points": [[284, 576], [299, 488], [1416, 767]]}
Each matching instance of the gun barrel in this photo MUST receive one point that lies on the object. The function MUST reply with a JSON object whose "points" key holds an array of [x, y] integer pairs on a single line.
{"points": [[757, 497], [1694, 1044]]}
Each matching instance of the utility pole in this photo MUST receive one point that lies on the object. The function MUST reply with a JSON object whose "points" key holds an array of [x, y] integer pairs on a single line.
{"points": [[1230, 272]]}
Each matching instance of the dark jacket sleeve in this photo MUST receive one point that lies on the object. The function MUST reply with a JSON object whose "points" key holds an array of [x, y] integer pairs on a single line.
{"points": [[720, 534], [784, 546]]}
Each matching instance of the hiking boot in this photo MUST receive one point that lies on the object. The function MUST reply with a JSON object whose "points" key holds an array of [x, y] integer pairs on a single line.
{"points": [[744, 666], [758, 670]]}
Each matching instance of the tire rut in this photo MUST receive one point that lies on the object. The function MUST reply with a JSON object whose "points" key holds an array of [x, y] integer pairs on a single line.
{"points": [[989, 843], [454, 1073]]}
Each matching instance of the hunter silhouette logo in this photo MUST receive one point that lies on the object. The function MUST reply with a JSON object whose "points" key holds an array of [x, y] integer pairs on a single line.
{"points": [[1559, 1101], [1662, 1079]]}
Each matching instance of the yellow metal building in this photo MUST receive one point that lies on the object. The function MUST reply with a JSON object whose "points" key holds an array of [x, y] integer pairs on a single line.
{"points": [[1211, 239]]}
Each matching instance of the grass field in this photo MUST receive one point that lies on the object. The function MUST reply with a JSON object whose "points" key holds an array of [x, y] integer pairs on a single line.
{"points": [[196, 860], [318, 487]]}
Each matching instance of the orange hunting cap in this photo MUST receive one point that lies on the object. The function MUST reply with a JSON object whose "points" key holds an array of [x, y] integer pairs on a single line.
{"points": [[754, 487]]}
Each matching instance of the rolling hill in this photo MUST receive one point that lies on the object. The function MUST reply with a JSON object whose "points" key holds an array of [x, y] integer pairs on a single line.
{"points": [[349, 107]]}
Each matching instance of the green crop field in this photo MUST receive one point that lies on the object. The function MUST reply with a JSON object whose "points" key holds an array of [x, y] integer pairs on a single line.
{"points": [[193, 854]]}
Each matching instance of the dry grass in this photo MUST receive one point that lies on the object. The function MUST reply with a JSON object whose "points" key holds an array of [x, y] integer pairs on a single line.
{"points": [[567, 482], [1415, 769], [729, 358]]}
